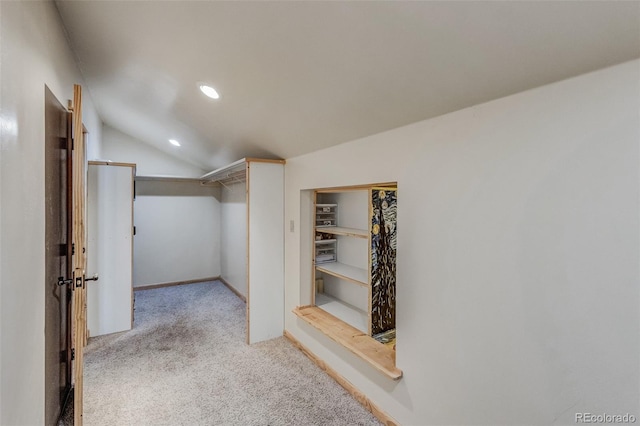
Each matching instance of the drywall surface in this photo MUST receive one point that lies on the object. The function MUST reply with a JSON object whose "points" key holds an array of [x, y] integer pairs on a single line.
{"points": [[177, 233], [118, 146], [233, 234], [177, 224], [266, 254], [33, 53], [517, 274]]}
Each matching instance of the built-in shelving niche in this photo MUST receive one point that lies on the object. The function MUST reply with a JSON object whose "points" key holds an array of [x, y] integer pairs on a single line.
{"points": [[353, 271]]}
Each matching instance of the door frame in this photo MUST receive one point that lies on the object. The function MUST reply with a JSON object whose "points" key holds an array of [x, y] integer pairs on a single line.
{"points": [[58, 371], [79, 258]]}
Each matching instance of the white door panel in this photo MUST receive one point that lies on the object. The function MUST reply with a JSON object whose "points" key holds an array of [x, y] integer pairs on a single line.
{"points": [[110, 225]]}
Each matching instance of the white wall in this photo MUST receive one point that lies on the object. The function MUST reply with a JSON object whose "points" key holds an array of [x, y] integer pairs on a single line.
{"points": [[266, 251], [177, 233], [233, 233], [177, 224], [33, 52], [518, 287], [151, 161]]}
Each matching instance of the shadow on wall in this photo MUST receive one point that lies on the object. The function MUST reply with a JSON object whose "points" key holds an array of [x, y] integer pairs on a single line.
{"points": [[177, 189]]}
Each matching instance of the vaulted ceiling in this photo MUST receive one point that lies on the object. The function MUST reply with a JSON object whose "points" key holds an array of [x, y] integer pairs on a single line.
{"points": [[295, 77]]}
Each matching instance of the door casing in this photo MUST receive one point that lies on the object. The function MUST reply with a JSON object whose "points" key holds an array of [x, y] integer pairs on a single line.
{"points": [[57, 258]]}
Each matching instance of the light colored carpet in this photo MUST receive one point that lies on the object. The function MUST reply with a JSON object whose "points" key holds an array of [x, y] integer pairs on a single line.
{"points": [[186, 363]]}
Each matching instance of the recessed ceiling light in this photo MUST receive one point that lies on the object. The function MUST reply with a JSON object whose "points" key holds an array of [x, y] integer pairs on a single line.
{"points": [[174, 142], [209, 91]]}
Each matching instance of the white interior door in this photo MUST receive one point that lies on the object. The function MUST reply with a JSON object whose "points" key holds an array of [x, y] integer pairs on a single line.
{"points": [[110, 241]]}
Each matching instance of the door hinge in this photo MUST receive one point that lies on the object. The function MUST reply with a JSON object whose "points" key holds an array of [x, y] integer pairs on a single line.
{"points": [[73, 354], [73, 248]]}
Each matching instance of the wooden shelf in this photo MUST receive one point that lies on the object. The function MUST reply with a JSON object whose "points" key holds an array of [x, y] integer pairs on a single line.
{"points": [[338, 230], [343, 311], [346, 272], [234, 172], [381, 357]]}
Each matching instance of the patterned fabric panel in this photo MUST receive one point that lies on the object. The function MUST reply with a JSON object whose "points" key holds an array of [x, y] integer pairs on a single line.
{"points": [[383, 259]]}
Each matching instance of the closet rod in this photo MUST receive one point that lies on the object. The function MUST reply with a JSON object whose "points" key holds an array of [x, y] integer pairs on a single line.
{"points": [[228, 168]]}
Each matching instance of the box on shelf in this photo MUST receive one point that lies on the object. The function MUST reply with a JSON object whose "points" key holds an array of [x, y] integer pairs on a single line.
{"points": [[326, 251], [326, 215]]}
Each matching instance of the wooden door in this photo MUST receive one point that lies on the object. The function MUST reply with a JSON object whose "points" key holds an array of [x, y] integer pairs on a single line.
{"points": [[57, 258], [79, 322]]}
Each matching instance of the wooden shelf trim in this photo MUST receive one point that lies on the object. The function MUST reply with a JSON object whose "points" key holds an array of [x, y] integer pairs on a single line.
{"points": [[110, 163], [364, 187], [338, 230], [379, 356], [346, 272]]}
